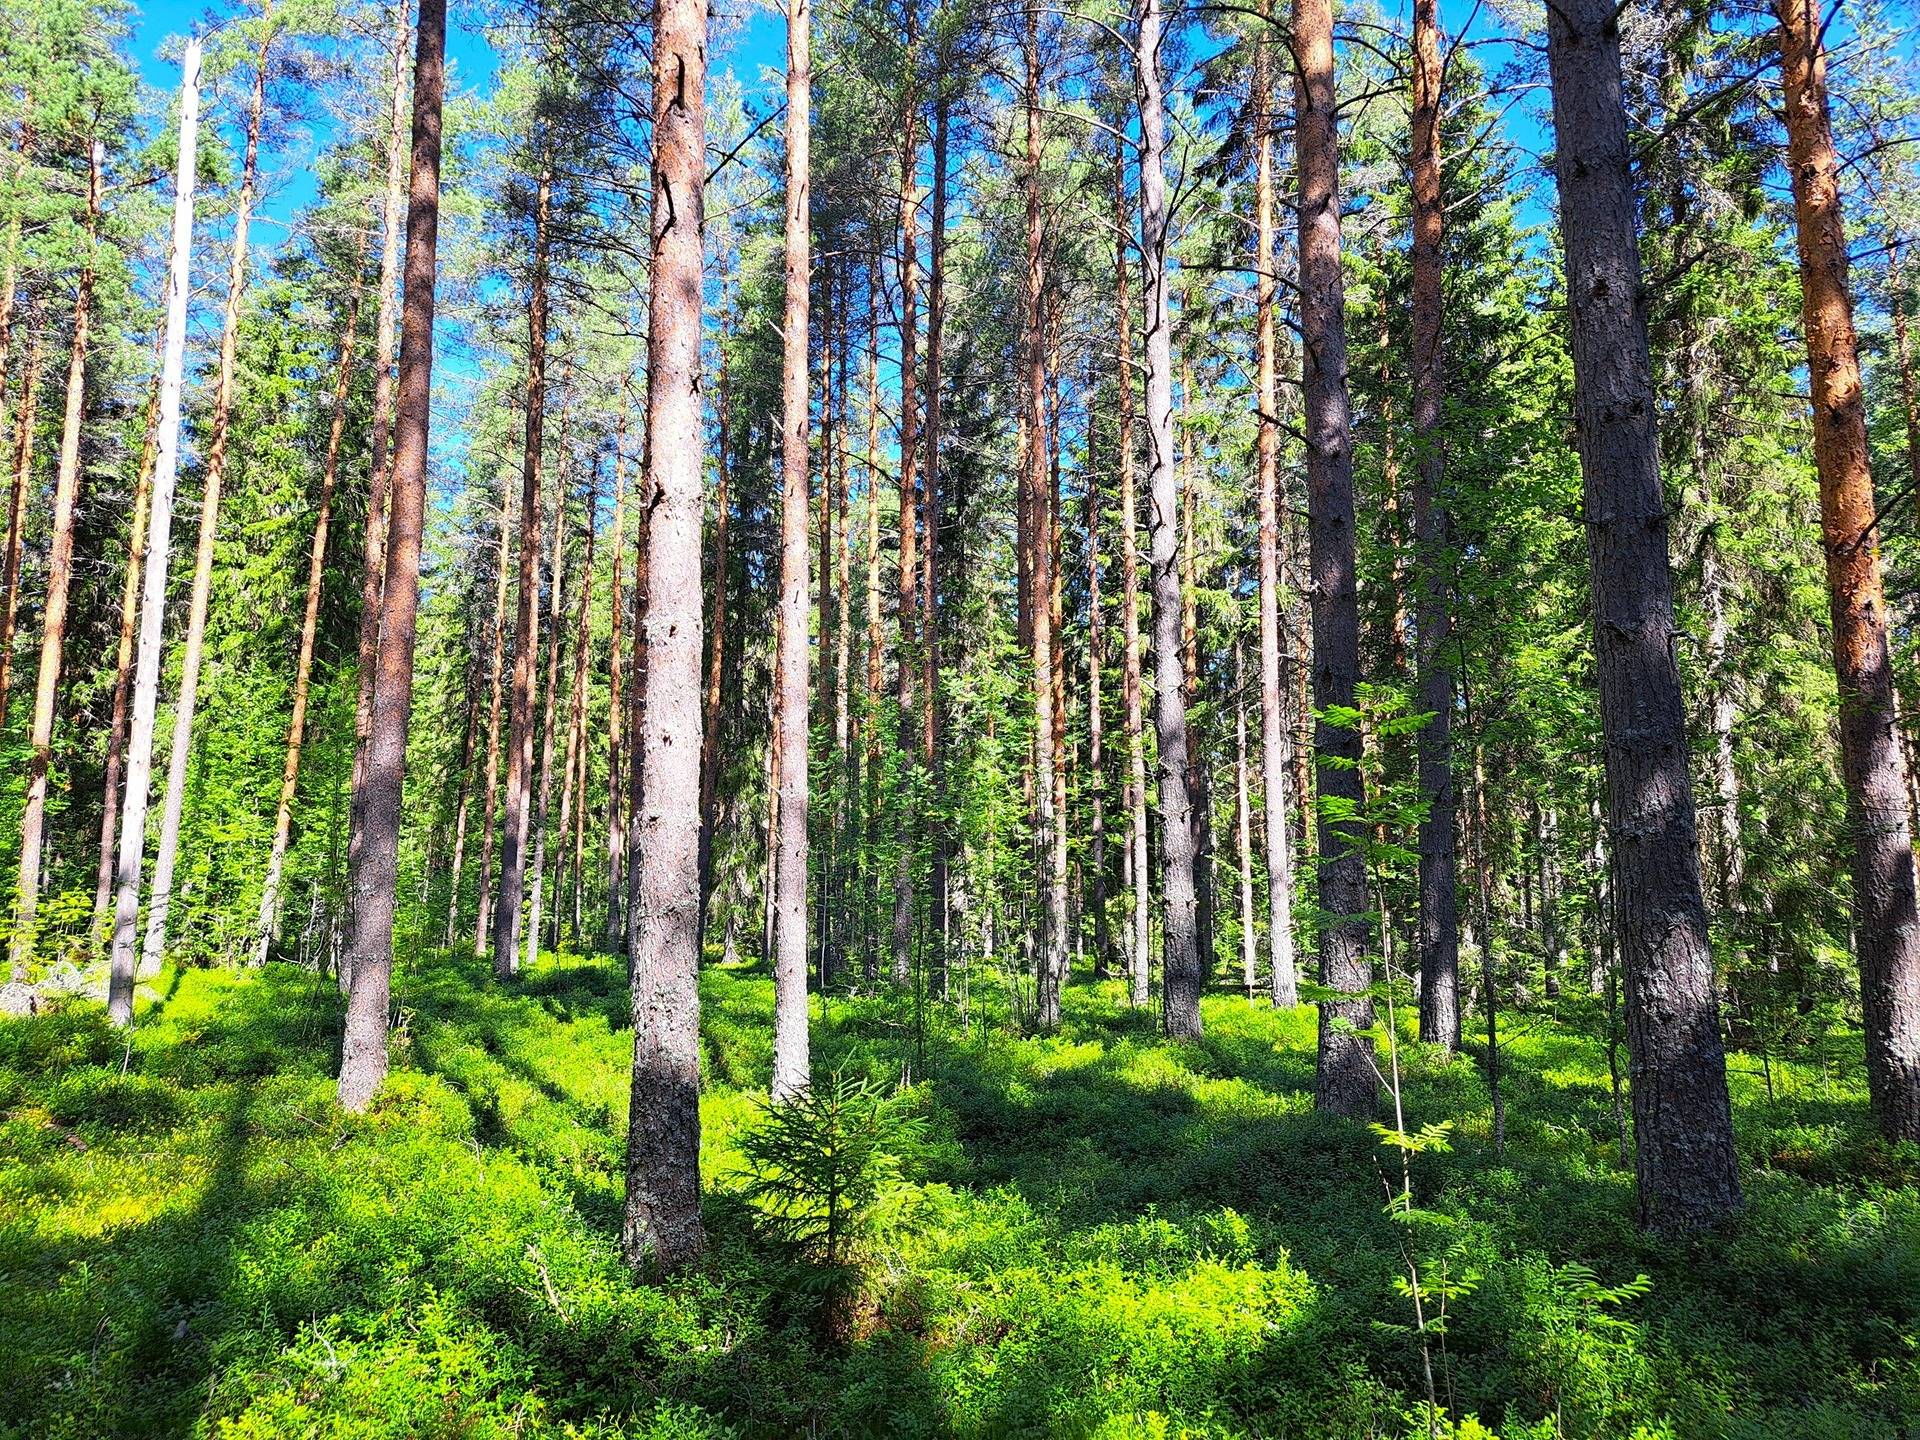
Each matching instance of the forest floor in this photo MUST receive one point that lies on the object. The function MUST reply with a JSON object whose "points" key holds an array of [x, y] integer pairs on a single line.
{"points": [[1097, 1234]]}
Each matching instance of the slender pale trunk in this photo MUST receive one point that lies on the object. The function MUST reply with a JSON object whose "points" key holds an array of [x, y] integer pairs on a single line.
{"points": [[790, 1062], [1058, 868], [933, 716], [549, 702], [53, 624], [846, 758], [23, 437], [268, 924], [483, 888], [1283, 983], [153, 589], [1345, 1080], [1243, 823], [576, 726], [461, 809], [1051, 947], [1180, 963], [616, 701], [661, 1226], [1683, 1127], [1439, 934], [1140, 918], [160, 902], [716, 657], [123, 655], [1199, 777], [906, 590], [1096, 781], [871, 705], [1886, 927], [513, 841], [380, 450], [363, 1061]]}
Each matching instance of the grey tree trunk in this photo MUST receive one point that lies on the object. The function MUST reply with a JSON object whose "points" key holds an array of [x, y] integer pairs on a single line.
{"points": [[662, 1226], [1180, 965], [1683, 1126], [1345, 1082], [791, 1070]]}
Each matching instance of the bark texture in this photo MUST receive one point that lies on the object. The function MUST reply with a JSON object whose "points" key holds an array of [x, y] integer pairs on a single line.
{"points": [[1683, 1128], [1886, 929]]}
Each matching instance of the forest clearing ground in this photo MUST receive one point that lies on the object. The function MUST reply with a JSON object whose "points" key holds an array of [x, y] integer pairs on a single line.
{"points": [[1101, 1233]]}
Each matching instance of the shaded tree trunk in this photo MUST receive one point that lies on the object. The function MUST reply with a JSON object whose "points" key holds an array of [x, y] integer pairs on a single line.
{"points": [[716, 656], [908, 267], [23, 437], [933, 715], [516, 819], [661, 1226], [549, 704], [616, 702], [1439, 920], [369, 957], [1886, 927], [153, 586], [1345, 1081], [576, 755], [1683, 1126], [53, 624]]}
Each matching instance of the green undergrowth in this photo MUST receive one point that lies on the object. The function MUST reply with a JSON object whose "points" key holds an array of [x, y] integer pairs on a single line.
{"points": [[1097, 1234]]}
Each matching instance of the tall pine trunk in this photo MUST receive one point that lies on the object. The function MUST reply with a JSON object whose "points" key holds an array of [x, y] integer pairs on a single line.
{"points": [[380, 450], [153, 585], [160, 902], [790, 1062], [908, 576], [53, 624], [661, 1227], [1886, 928], [1282, 978], [267, 926], [515, 820], [616, 699], [717, 651], [483, 886], [1439, 933], [24, 429], [1683, 1126], [369, 957], [549, 702], [1140, 915], [1182, 977], [933, 715], [1345, 1080]]}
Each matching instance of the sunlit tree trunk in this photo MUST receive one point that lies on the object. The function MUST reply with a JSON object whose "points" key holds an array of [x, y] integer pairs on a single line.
{"points": [[1439, 933], [515, 817], [369, 955], [933, 715], [123, 655], [1050, 949], [1140, 917], [380, 449], [153, 585], [661, 1226], [23, 436], [548, 720], [267, 926], [53, 623], [870, 707], [1096, 781], [1683, 1127], [1282, 976], [1886, 927], [1182, 977], [160, 901], [790, 1063], [1345, 1080]]}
